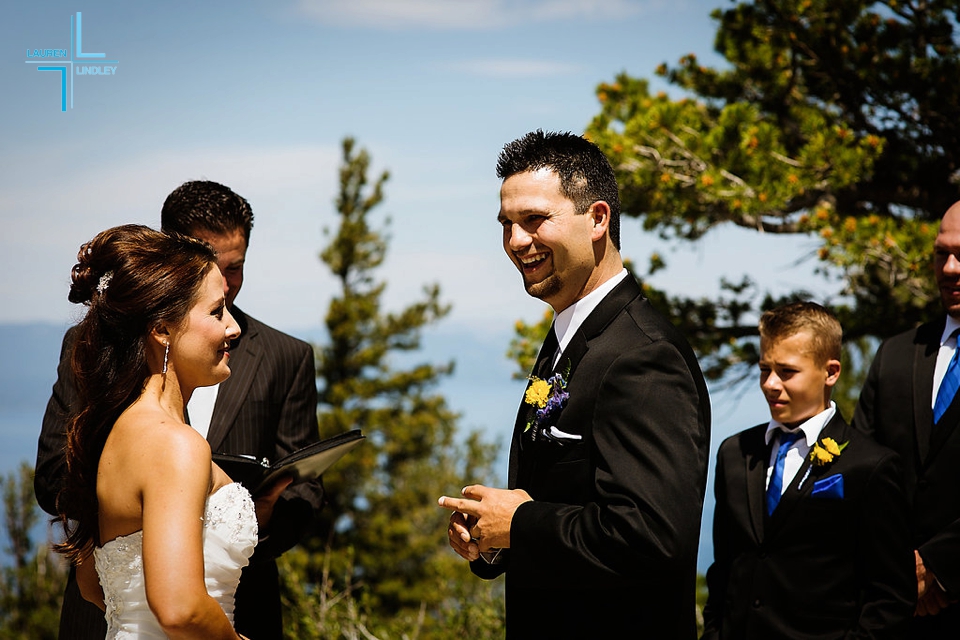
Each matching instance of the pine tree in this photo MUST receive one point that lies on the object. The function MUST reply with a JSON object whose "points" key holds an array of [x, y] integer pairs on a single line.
{"points": [[833, 120], [32, 577], [381, 549]]}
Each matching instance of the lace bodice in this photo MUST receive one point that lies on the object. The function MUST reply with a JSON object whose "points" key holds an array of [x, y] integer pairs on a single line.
{"points": [[229, 536]]}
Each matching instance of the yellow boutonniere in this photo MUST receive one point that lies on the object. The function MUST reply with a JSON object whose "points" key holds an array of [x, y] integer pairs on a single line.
{"points": [[548, 397], [538, 393], [826, 450]]}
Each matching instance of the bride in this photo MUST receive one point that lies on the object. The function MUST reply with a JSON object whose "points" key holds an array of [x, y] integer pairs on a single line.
{"points": [[159, 534]]}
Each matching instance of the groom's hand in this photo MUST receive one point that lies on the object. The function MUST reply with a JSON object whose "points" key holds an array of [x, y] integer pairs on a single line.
{"points": [[458, 533], [931, 599], [485, 517]]}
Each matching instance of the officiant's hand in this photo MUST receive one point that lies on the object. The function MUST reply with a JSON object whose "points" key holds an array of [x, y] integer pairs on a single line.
{"points": [[485, 517], [265, 501]]}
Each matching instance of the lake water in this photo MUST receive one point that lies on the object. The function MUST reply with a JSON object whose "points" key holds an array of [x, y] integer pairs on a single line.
{"points": [[480, 390]]}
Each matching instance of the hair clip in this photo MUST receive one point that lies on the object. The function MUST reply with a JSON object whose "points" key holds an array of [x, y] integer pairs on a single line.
{"points": [[104, 282]]}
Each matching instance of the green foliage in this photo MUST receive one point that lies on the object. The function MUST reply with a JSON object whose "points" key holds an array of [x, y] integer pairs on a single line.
{"points": [[31, 585], [856, 358], [525, 343], [702, 593], [832, 121], [380, 559], [338, 608]]}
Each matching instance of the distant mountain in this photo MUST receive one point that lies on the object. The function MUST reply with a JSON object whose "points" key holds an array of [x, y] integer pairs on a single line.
{"points": [[28, 368], [28, 363], [480, 389]]}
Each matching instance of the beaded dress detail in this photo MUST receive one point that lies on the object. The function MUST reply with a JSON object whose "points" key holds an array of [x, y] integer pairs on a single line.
{"points": [[229, 536]]}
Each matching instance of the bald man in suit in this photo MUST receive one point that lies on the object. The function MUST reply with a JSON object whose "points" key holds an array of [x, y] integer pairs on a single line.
{"points": [[902, 407]]}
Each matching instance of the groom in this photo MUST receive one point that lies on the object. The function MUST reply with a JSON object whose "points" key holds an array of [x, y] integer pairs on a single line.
{"points": [[598, 531]]}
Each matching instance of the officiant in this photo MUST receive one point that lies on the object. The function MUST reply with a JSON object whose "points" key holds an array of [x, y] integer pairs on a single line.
{"points": [[598, 531]]}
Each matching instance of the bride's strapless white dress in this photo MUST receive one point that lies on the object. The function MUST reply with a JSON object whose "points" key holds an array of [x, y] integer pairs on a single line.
{"points": [[229, 536]]}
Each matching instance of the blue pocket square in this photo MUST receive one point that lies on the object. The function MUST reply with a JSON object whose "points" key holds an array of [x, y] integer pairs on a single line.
{"points": [[830, 487]]}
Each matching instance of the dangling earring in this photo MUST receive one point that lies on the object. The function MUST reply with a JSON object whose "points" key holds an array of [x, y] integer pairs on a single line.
{"points": [[166, 353]]}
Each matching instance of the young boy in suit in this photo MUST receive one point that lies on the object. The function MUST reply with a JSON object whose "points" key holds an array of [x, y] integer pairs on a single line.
{"points": [[810, 531]]}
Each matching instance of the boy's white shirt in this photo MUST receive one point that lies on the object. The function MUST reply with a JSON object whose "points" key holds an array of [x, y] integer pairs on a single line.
{"points": [[799, 450]]}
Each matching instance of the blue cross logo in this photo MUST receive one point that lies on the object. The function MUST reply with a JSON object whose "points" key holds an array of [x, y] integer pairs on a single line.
{"points": [[70, 57]]}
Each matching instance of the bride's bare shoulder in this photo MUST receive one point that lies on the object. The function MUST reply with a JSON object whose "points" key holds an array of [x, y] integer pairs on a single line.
{"points": [[158, 437], [148, 455]]}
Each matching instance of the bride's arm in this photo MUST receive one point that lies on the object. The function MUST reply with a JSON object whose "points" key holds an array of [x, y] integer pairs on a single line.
{"points": [[89, 582], [174, 494]]}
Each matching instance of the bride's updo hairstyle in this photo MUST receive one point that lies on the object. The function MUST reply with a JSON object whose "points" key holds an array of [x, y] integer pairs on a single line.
{"points": [[132, 278]]}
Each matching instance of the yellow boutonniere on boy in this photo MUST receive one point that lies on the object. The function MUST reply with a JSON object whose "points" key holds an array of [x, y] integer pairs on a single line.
{"points": [[826, 450]]}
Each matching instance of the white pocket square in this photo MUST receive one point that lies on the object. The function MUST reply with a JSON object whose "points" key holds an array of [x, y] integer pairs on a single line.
{"points": [[563, 435]]}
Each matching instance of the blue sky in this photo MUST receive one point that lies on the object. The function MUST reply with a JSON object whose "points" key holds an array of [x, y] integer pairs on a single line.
{"points": [[257, 94]]}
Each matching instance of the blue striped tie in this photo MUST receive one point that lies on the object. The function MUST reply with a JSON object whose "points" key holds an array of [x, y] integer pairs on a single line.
{"points": [[775, 488], [951, 381]]}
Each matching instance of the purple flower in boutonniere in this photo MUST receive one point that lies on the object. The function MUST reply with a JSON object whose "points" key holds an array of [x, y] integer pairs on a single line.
{"points": [[826, 450], [549, 397]]}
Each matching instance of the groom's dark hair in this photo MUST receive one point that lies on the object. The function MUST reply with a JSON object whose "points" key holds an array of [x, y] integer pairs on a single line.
{"points": [[585, 173]]}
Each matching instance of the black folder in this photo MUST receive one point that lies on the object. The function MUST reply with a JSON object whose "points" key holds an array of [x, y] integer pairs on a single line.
{"points": [[304, 464]]}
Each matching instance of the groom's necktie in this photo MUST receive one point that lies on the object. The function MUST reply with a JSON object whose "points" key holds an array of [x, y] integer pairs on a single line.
{"points": [[951, 381], [548, 352], [775, 488]]}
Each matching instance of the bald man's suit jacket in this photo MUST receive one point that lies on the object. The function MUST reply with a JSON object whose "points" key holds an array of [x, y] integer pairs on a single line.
{"points": [[266, 408], [895, 408], [608, 547], [833, 560]]}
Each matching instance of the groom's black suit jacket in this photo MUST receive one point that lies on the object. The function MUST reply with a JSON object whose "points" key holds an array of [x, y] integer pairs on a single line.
{"points": [[608, 547], [895, 408], [266, 408], [822, 566]]}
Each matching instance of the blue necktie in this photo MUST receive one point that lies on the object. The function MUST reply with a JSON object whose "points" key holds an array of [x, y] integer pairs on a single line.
{"points": [[775, 488], [948, 388]]}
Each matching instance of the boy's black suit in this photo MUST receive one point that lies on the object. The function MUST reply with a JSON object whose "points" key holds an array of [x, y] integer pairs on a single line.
{"points": [[827, 564]]}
